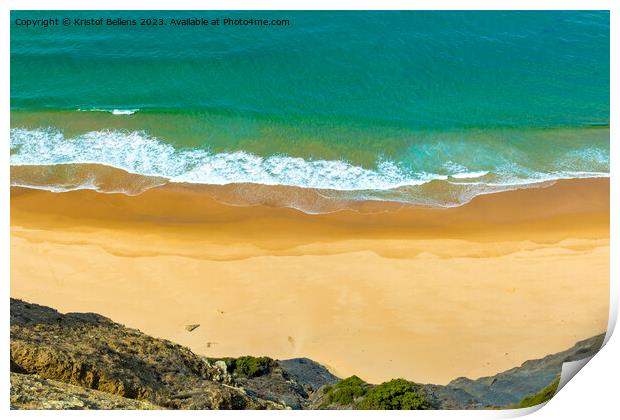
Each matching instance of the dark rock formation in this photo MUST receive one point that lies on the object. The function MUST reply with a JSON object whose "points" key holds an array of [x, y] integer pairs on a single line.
{"points": [[504, 390], [289, 382], [93, 352], [31, 392], [511, 386], [308, 373], [76, 360]]}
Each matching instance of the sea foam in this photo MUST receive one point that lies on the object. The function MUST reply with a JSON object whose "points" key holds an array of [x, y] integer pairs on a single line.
{"points": [[112, 111], [469, 175], [139, 153]]}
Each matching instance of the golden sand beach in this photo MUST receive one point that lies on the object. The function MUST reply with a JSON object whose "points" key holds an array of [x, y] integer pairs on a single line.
{"points": [[380, 290]]}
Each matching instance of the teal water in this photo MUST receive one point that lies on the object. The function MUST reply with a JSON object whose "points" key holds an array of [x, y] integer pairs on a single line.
{"points": [[368, 101]]}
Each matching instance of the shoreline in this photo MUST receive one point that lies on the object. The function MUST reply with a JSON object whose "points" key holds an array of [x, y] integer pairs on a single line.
{"points": [[178, 205], [446, 191], [365, 292]]}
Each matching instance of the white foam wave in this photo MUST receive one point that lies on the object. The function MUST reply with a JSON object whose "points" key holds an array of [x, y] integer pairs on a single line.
{"points": [[60, 188], [139, 153], [112, 111], [469, 175], [594, 158], [124, 111]]}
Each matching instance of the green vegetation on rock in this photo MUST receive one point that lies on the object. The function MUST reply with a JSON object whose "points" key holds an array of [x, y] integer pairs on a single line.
{"points": [[250, 366], [247, 366], [541, 397], [346, 391], [397, 394]]}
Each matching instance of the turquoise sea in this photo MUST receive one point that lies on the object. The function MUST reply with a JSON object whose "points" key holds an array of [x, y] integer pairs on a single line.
{"points": [[365, 105]]}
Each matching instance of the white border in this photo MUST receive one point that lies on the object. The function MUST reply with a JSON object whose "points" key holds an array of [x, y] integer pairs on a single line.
{"points": [[594, 393]]}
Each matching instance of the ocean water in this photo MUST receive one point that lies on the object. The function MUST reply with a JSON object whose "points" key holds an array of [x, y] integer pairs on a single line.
{"points": [[362, 105]]}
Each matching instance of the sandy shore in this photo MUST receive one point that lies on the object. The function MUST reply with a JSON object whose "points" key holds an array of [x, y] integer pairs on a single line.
{"points": [[381, 292]]}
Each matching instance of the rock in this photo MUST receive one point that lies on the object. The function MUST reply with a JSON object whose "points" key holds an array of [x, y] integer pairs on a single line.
{"points": [[31, 392], [510, 387], [220, 364], [276, 385], [503, 390], [93, 352], [82, 361], [308, 373], [264, 378], [191, 327], [223, 375]]}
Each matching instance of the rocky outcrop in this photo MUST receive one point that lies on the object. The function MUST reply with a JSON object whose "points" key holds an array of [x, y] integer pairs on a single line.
{"points": [[511, 386], [75, 360], [31, 392], [289, 382], [93, 352], [504, 390], [308, 373]]}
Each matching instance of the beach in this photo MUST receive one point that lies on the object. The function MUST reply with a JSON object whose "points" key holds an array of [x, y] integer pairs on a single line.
{"points": [[353, 210], [377, 289]]}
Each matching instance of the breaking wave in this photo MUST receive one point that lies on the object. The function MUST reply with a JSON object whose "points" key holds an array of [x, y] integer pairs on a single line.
{"points": [[139, 153]]}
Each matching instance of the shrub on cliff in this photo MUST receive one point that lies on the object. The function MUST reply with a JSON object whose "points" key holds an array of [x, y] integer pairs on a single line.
{"points": [[250, 366], [541, 397], [346, 391], [397, 394]]}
